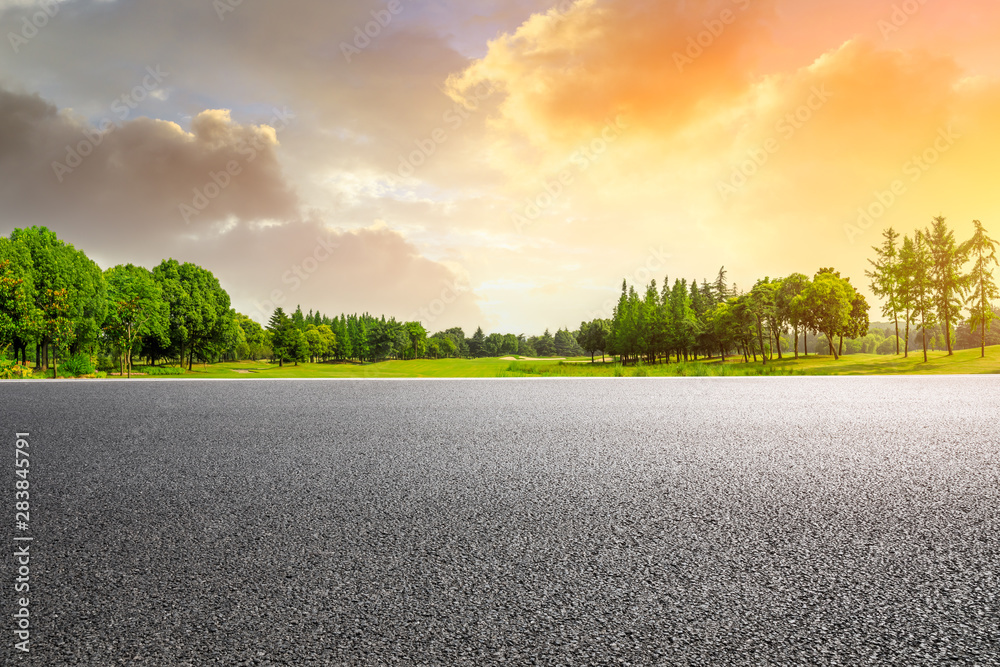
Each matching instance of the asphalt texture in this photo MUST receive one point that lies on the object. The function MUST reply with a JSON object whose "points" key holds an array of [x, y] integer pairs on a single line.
{"points": [[729, 521]]}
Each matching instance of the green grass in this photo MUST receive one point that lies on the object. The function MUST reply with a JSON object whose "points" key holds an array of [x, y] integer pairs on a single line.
{"points": [[964, 362]]}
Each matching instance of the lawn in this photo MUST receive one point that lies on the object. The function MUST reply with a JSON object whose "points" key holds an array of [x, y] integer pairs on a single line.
{"points": [[963, 362]]}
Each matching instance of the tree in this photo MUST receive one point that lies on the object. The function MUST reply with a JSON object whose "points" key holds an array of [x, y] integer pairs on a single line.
{"points": [[791, 287], [136, 310], [253, 336], [329, 339], [315, 343], [885, 277], [566, 345], [298, 345], [682, 321], [476, 343], [828, 300], [545, 345], [57, 267], [283, 343], [20, 317], [199, 308], [947, 258], [761, 306], [916, 263], [984, 289], [418, 337], [56, 325], [594, 337], [857, 326]]}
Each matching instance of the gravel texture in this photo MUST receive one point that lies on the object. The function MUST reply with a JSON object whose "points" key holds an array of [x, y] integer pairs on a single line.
{"points": [[743, 521]]}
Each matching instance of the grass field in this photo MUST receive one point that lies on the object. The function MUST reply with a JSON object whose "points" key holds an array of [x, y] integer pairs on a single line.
{"points": [[963, 362]]}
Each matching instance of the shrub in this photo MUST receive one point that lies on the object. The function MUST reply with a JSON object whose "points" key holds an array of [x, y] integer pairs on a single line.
{"points": [[159, 370], [106, 364], [77, 365], [11, 370]]}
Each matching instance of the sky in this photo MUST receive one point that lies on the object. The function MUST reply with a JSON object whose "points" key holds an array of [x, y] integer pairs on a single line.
{"points": [[495, 163]]}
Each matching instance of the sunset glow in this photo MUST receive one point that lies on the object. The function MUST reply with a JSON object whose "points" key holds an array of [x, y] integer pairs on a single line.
{"points": [[500, 163]]}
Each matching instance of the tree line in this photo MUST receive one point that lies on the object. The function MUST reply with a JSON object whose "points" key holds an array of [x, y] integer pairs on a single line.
{"points": [[56, 303], [691, 320], [926, 279]]}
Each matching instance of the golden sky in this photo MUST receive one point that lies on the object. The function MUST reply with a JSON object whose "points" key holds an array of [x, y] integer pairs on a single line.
{"points": [[504, 163]]}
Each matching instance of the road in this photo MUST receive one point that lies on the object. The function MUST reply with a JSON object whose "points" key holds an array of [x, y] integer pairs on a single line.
{"points": [[699, 521]]}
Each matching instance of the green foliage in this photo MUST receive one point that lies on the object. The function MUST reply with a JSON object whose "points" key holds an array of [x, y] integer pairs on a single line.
{"points": [[77, 365], [11, 370], [983, 286], [160, 370]]}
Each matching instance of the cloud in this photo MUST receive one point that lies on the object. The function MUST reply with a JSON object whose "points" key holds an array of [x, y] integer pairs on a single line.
{"points": [[565, 73], [143, 177]]}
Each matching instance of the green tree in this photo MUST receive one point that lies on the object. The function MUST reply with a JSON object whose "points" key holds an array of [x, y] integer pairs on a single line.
{"points": [[283, 343], [885, 277], [791, 287], [545, 346], [57, 267], [477, 343], [917, 264], [136, 309], [761, 306], [828, 299], [200, 315], [20, 316], [418, 337], [947, 258], [984, 288], [56, 325], [315, 343]]}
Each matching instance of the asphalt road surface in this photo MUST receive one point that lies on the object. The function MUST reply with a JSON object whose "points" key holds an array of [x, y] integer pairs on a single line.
{"points": [[729, 521]]}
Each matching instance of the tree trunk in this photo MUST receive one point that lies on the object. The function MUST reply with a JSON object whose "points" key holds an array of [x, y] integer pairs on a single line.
{"points": [[947, 330], [841, 344], [896, 319], [983, 326], [833, 350], [760, 337], [923, 333], [795, 330], [906, 343]]}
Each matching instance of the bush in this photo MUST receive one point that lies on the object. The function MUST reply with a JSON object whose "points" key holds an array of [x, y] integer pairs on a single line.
{"points": [[106, 364], [159, 370], [100, 375], [11, 370], [77, 365], [888, 346]]}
